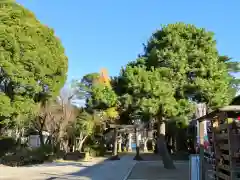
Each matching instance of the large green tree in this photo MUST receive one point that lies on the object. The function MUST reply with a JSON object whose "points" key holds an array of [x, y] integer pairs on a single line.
{"points": [[180, 66], [99, 97], [103, 99], [151, 93], [32, 60], [192, 55]]}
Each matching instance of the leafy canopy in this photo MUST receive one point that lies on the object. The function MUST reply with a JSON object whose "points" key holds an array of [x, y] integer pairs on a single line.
{"points": [[84, 87], [84, 124], [191, 54], [32, 60], [151, 92], [180, 65], [100, 96]]}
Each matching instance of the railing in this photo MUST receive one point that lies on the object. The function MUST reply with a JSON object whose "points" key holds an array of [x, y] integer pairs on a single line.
{"points": [[207, 168], [194, 167]]}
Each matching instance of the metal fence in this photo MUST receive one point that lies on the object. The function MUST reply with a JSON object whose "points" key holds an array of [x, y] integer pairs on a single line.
{"points": [[207, 168], [194, 167]]}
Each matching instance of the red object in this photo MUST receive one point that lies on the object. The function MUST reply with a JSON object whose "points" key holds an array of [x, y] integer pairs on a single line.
{"points": [[238, 118], [206, 144]]}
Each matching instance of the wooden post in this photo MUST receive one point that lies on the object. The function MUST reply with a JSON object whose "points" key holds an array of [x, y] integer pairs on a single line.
{"points": [[201, 111], [201, 138]]}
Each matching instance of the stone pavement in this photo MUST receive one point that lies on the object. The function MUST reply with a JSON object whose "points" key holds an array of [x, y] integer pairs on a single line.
{"points": [[105, 170], [124, 169], [154, 170], [108, 170]]}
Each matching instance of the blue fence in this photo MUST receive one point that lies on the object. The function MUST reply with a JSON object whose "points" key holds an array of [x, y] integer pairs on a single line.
{"points": [[194, 167]]}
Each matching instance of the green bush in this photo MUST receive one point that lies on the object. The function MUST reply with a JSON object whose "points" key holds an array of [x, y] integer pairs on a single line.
{"points": [[7, 144], [26, 156], [96, 150], [17, 158], [43, 153], [87, 149], [44, 150], [74, 156]]}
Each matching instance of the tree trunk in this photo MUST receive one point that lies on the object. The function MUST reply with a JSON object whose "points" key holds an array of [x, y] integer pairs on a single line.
{"points": [[41, 138], [48, 140], [64, 145], [115, 143], [162, 147], [17, 136], [80, 145], [81, 141]]}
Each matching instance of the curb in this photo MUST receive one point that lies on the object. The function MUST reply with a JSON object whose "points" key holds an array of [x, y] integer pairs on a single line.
{"points": [[129, 171]]}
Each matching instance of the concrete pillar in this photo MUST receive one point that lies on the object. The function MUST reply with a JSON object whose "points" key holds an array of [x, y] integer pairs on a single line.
{"points": [[129, 148]]}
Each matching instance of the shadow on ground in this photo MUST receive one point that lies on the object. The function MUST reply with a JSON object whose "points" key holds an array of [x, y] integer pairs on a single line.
{"points": [[156, 157], [150, 168], [156, 171], [105, 170], [56, 170], [85, 173]]}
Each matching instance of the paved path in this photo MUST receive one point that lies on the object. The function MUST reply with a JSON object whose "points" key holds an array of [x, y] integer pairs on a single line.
{"points": [[107, 170], [154, 170], [124, 169]]}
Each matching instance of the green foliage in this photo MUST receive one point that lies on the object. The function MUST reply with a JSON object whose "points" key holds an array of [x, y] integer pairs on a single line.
{"points": [[89, 79], [180, 66], [99, 97], [84, 124], [95, 150], [84, 87], [233, 67], [27, 156], [102, 97], [6, 109], [151, 92], [104, 100], [42, 151], [32, 60], [191, 54]]}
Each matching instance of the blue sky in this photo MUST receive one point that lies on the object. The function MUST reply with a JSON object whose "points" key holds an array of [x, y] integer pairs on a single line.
{"points": [[109, 33]]}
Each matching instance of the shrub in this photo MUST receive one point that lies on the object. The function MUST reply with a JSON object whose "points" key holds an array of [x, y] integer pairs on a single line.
{"points": [[87, 149], [43, 153], [97, 150], [74, 156], [44, 150], [17, 158], [7, 144], [26, 156]]}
